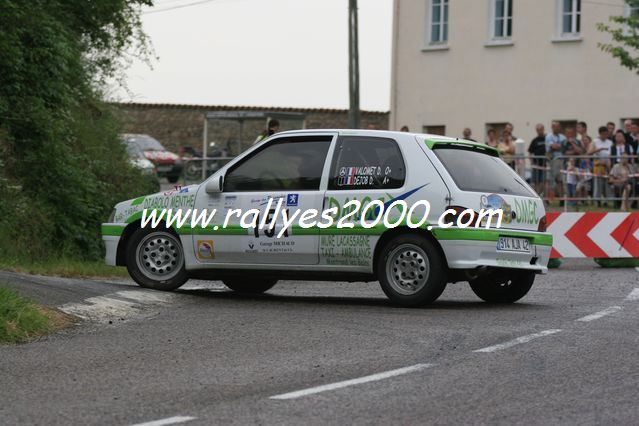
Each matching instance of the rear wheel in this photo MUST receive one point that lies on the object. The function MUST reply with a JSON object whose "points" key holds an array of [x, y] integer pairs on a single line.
{"points": [[411, 271], [249, 285], [155, 259], [507, 287]]}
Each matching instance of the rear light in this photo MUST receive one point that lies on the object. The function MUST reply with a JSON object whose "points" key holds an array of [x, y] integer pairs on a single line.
{"points": [[542, 224]]}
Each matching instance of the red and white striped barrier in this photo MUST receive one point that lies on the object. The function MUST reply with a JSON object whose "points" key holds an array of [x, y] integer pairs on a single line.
{"points": [[594, 234]]}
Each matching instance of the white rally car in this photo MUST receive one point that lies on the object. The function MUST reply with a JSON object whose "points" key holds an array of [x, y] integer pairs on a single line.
{"points": [[327, 169]]}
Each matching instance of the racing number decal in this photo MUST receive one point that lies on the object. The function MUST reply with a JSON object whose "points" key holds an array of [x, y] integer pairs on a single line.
{"points": [[269, 230]]}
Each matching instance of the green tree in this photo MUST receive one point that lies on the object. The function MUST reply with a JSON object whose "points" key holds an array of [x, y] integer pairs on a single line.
{"points": [[62, 163], [624, 30]]}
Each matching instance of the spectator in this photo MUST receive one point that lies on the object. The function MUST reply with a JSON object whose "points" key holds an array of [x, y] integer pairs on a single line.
{"points": [[634, 133], [572, 146], [571, 181], [492, 138], [627, 130], [554, 145], [537, 148], [620, 147], [506, 148], [273, 127], [582, 130], [611, 128], [468, 134], [584, 181], [404, 129], [600, 148], [509, 127], [620, 179]]}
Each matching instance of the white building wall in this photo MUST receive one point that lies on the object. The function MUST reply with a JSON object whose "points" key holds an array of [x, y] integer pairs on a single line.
{"points": [[533, 80]]}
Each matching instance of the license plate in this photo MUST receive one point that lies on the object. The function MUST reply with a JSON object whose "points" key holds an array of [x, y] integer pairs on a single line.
{"points": [[164, 168], [521, 245]]}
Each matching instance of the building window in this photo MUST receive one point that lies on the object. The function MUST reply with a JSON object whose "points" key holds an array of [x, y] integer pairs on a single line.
{"points": [[570, 17], [438, 21], [435, 130], [502, 19]]}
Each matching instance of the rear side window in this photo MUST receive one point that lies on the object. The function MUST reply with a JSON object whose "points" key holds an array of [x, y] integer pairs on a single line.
{"points": [[286, 164], [480, 172], [362, 162]]}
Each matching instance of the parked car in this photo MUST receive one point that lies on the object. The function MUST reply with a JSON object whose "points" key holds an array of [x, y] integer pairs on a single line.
{"points": [[139, 160], [167, 164], [323, 170]]}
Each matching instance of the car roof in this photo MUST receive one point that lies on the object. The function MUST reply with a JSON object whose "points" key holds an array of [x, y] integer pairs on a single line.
{"points": [[430, 139]]}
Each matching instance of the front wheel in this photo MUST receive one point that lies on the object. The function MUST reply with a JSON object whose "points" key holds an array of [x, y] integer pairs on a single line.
{"points": [[411, 271], [155, 259], [506, 287], [249, 285]]}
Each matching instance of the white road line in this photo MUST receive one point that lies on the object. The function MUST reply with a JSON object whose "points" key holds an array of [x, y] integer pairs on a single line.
{"points": [[345, 383], [167, 421], [634, 295], [600, 314], [518, 341]]}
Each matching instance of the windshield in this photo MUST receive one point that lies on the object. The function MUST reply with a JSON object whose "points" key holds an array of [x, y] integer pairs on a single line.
{"points": [[146, 143], [480, 172]]}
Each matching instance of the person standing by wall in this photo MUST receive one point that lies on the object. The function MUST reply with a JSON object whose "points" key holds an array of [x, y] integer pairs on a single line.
{"points": [[468, 134], [600, 148], [492, 138], [537, 149], [554, 148], [273, 127], [621, 181], [507, 148]]}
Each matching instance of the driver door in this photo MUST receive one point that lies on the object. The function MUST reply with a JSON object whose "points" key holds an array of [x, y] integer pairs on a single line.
{"points": [[284, 174]]}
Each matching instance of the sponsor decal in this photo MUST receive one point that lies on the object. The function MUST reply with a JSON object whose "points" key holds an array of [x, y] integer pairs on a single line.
{"points": [[230, 201], [205, 249], [494, 201], [526, 211], [292, 200], [352, 250]]}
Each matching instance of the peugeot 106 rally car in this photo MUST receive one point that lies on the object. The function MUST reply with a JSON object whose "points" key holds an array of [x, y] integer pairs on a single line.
{"points": [[330, 171]]}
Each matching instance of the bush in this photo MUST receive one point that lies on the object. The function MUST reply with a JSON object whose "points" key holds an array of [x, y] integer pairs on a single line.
{"points": [[62, 165]]}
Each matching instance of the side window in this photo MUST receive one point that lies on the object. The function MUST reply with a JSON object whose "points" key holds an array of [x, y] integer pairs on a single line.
{"points": [[286, 164], [367, 163]]}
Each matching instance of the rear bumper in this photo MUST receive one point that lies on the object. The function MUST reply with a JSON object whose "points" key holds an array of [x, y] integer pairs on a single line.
{"points": [[464, 254]]}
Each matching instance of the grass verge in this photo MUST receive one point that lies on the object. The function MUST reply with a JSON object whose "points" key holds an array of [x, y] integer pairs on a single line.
{"points": [[21, 320], [65, 268]]}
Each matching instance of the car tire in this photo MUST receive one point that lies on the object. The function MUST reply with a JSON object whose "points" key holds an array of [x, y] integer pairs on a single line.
{"points": [[506, 287], [249, 285], [155, 259], [411, 271], [173, 179]]}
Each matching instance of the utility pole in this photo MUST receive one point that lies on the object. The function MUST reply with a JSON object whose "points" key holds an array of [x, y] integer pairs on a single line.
{"points": [[353, 66]]}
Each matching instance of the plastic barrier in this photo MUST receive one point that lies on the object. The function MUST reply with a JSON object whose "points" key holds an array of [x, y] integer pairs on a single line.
{"points": [[594, 235]]}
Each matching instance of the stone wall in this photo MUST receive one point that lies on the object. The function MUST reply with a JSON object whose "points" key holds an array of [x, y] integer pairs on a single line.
{"points": [[177, 126]]}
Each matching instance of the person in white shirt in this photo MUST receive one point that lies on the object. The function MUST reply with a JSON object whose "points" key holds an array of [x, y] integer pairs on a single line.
{"points": [[600, 149]]}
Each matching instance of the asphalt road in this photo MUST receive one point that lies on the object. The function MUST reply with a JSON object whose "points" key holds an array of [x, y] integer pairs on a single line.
{"points": [[317, 353]]}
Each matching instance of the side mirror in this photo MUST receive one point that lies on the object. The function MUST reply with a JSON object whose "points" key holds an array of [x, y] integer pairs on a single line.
{"points": [[214, 186]]}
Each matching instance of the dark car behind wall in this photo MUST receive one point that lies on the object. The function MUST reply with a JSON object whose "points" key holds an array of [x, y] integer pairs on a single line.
{"points": [[166, 163]]}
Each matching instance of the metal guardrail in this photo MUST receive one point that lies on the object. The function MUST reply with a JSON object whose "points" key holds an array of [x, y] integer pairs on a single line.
{"points": [[582, 184]]}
